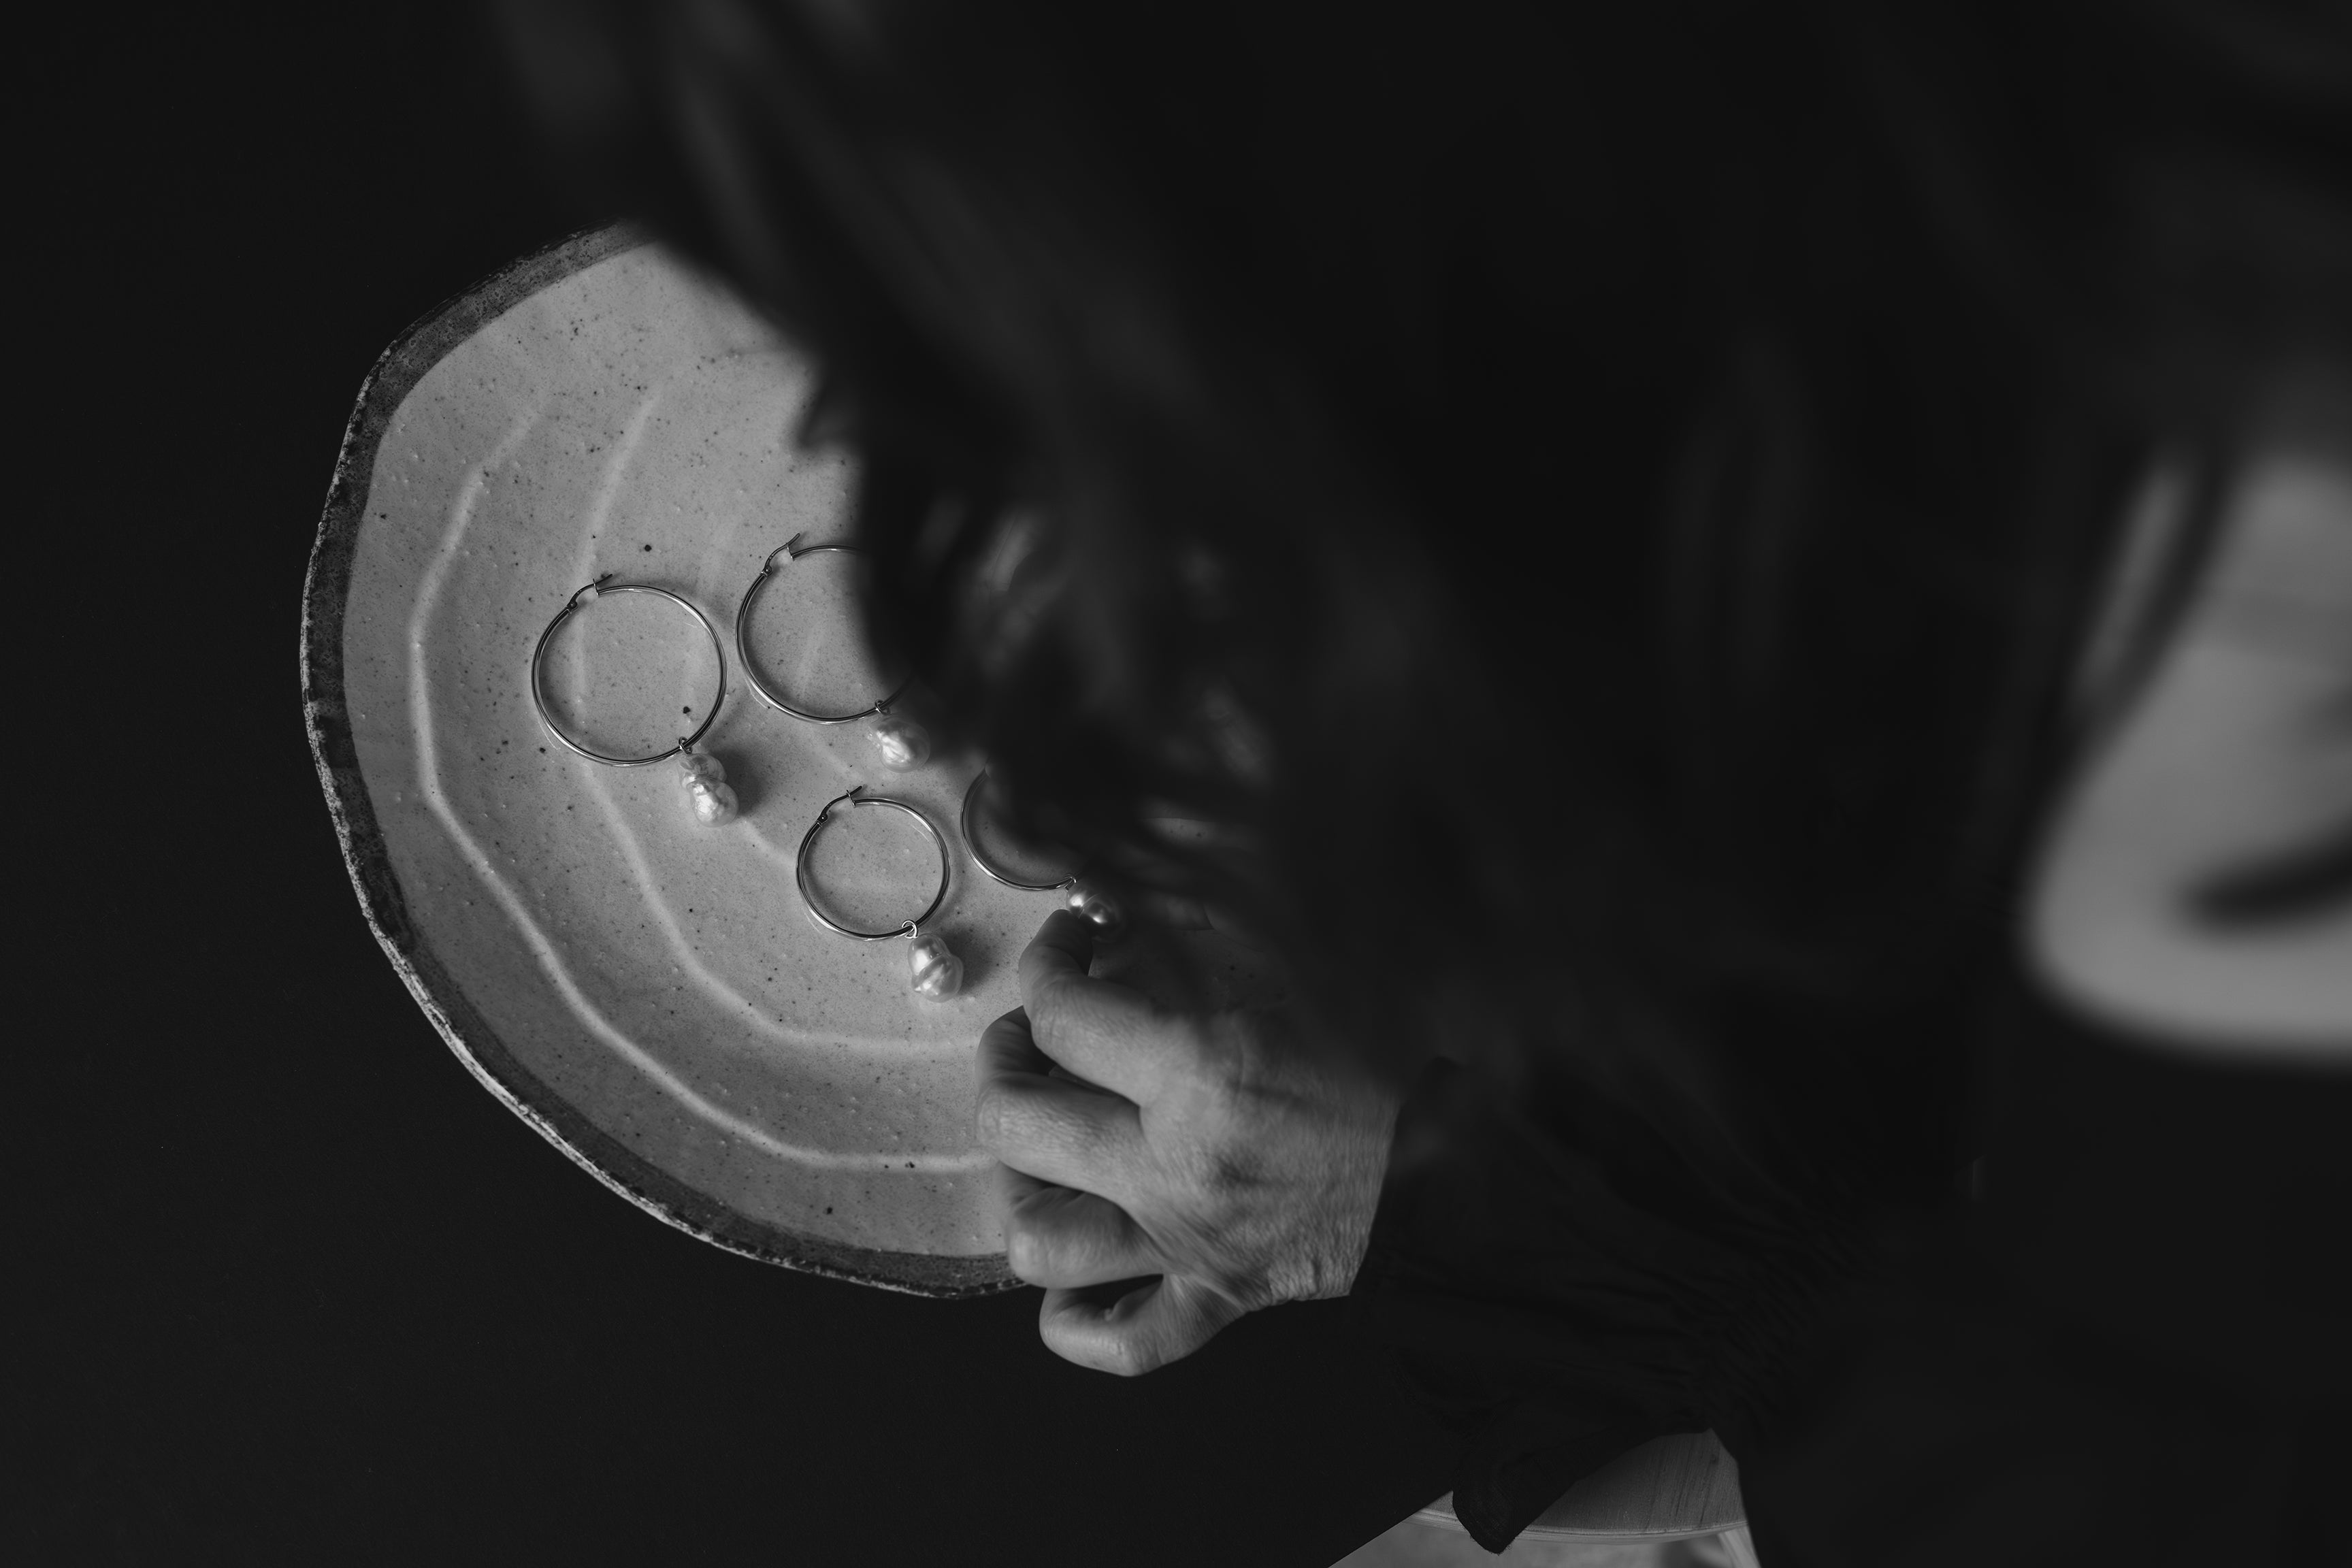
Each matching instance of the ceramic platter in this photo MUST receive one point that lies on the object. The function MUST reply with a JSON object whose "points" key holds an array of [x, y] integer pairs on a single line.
{"points": [[649, 993]]}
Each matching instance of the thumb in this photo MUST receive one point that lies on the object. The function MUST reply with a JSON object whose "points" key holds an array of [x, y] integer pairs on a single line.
{"points": [[1133, 1327]]}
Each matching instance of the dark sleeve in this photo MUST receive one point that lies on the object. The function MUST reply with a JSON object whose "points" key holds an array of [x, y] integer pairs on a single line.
{"points": [[1554, 1308], [2137, 1346], [2138, 1350]]}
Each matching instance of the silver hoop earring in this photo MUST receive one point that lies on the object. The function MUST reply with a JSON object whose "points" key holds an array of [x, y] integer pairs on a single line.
{"points": [[935, 973], [704, 781], [903, 743], [1095, 907]]}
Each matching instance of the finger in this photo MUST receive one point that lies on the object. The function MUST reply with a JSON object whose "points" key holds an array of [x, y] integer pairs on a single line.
{"points": [[1017, 1051], [1063, 1134], [1060, 1235], [1010, 1045], [1136, 1329], [1107, 1033]]}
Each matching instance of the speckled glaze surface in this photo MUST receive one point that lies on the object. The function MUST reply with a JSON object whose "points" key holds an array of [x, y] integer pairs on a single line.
{"points": [[646, 992]]}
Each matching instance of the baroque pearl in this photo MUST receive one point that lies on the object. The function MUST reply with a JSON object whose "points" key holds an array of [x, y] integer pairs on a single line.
{"points": [[938, 973], [714, 804], [1099, 909], [705, 782], [903, 743]]}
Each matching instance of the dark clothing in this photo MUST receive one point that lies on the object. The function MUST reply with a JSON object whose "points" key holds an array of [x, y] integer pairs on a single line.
{"points": [[2133, 1345]]}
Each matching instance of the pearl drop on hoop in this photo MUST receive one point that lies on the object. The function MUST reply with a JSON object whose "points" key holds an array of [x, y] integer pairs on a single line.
{"points": [[705, 783], [935, 972], [903, 743], [1097, 908]]}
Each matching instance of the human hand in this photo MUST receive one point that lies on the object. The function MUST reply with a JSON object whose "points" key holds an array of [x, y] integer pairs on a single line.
{"points": [[1216, 1151]]}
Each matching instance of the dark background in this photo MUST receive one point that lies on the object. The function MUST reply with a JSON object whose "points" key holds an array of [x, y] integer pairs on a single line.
{"points": [[299, 1289]]}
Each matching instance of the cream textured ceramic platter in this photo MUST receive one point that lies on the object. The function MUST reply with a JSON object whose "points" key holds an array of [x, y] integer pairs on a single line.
{"points": [[647, 992]]}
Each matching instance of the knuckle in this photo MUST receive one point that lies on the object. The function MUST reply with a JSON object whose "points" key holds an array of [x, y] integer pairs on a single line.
{"points": [[1231, 1172], [1225, 1056], [1219, 1179]]}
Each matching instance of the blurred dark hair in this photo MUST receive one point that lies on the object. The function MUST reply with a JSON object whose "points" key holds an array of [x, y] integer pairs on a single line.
{"points": [[1600, 500]]}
